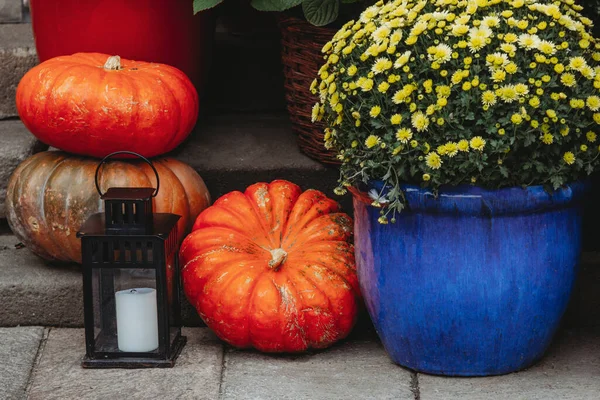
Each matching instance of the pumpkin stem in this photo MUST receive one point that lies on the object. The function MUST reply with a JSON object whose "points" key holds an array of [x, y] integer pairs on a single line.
{"points": [[279, 257], [113, 63]]}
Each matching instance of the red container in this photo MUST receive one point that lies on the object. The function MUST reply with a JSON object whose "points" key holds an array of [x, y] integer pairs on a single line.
{"points": [[164, 31]]}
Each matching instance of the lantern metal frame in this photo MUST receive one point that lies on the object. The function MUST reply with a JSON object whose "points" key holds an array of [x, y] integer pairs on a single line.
{"points": [[128, 235]]}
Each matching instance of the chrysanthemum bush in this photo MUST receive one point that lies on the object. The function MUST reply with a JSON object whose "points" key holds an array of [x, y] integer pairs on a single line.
{"points": [[444, 92]]}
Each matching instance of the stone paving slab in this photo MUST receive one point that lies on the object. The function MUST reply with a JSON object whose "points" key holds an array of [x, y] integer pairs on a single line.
{"points": [[59, 376], [18, 349], [569, 371], [17, 56], [16, 144], [351, 370]]}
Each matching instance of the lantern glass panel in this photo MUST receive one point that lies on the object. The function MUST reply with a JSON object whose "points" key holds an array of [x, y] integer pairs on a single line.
{"points": [[125, 320]]}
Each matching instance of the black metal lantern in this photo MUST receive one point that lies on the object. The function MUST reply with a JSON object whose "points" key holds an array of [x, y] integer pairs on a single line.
{"points": [[131, 281]]}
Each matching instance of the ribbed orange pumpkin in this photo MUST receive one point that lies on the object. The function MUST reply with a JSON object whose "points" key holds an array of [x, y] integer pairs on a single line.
{"points": [[51, 194], [273, 268], [94, 104]]}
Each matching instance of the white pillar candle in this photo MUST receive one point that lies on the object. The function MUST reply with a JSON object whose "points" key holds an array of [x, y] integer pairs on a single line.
{"points": [[137, 320]]}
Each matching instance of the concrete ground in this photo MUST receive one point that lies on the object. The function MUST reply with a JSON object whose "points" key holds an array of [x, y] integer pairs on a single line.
{"points": [[44, 364]]}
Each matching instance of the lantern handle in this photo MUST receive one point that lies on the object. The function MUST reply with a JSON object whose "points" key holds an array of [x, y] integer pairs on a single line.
{"points": [[105, 159]]}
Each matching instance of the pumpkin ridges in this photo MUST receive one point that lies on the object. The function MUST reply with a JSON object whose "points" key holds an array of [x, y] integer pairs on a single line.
{"points": [[330, 259], [133, 116], [291, 306], [155, 111], [238, 205], [175, 202], [206, 242], [260, 200], [69, 243], [19, 207], [185, 122], [265, 322], [284, 195], [236, 317], [196, 191], [47, 102], [343, 302], [308, 207], [325, 227], [321, 318], [201, 269], [46, 216]]}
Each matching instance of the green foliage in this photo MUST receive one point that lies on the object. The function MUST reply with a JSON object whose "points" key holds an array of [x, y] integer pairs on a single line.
{"points": [[274, 5], [321, 12], [317, 12], [201, 5]]}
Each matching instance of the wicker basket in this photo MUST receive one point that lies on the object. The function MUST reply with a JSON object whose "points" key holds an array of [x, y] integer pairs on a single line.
{"points": [[301, 55]]}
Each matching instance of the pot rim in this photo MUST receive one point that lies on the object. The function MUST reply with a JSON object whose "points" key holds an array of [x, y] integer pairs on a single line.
{"points": [[478, 201]]}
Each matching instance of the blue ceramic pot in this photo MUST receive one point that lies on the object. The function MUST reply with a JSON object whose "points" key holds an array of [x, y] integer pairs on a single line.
{"points": [[473, 282]]}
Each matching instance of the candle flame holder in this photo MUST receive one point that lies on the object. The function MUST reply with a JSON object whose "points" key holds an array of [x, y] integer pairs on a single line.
{"points": [[130, 250]]}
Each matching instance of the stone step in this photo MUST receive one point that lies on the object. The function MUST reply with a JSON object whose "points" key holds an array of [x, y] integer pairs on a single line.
{"points": [[34, 292], [233, 151], [17, 56]]}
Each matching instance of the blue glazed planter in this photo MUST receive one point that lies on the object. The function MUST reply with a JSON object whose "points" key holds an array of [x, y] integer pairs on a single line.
{"points": [[473, 282]]}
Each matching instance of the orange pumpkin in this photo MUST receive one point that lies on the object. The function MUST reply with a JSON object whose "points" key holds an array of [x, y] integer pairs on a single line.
{"points": [[95, 104], [273, 268], [51, 194]]}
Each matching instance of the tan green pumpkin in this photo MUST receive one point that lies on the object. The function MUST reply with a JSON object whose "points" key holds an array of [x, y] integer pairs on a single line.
{"points": [[52, 193]]}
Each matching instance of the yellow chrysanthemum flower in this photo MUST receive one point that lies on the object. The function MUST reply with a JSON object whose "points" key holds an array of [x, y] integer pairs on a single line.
{"points": [[477, 143], [402, 59], [375, 111], [463, 145], [372, 141], [577, 63], [547, 47], [404, 135], [498, 75], [569, 158], [381, 65], [419, 121], [396, 119], [547, 138], [433, 160], [451, 149], [593, 102], [440, 53], [315, 114], [488, 98], [568, 79], [507, 93], [516, 119]]}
